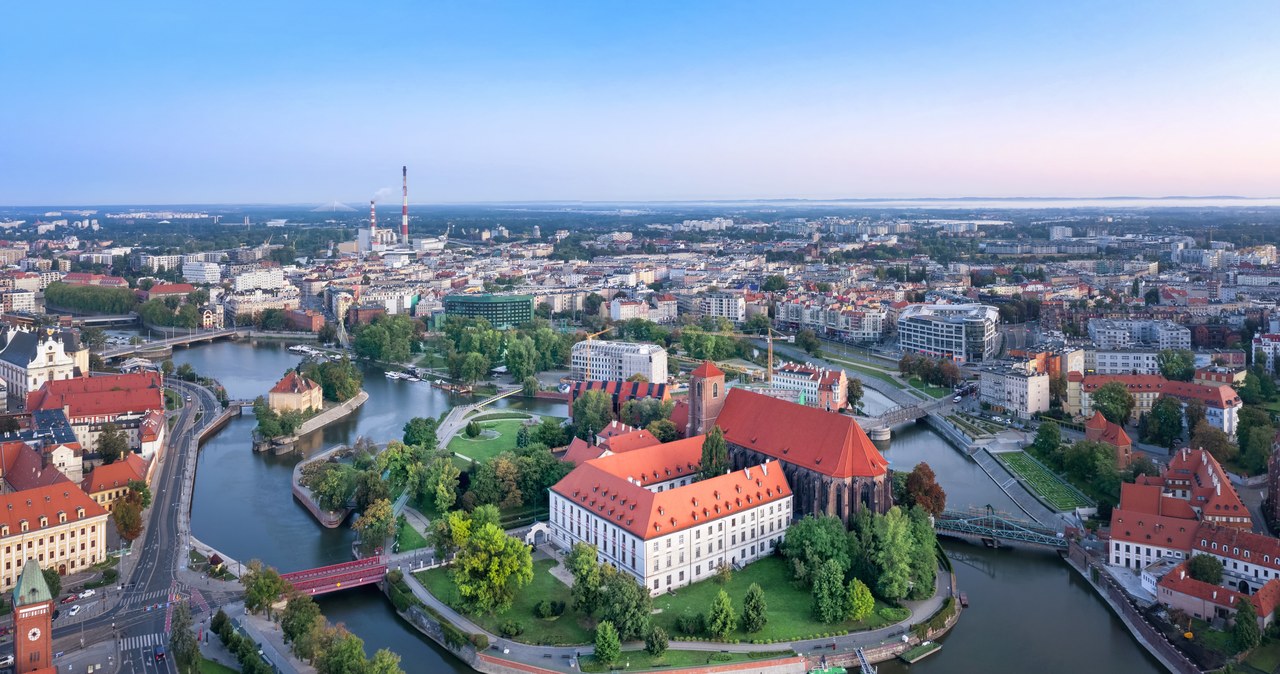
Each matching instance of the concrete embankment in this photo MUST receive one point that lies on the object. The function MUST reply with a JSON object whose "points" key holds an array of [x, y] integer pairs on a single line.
{"points": [[330, 519], [319, 421]]}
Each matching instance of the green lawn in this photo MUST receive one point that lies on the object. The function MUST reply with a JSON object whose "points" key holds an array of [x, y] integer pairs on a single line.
{"points": [[1266, 657], [935, 391], [1058, 493], [1214, 640], [484, 448], [211, 667], [570, 628], [640, 660], [790, 607], [496, 416], [409, 538]]}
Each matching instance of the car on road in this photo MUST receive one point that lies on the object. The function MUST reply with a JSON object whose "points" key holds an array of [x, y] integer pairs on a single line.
{"points": [[6, 661], [68, 599], [88, 593], [188, 398], [159, 652], [955, 399], [74, 610]]}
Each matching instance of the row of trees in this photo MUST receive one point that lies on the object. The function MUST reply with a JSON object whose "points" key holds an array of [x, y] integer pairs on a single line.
{"points": [[937, 372], [472, 345], [1089, 465], [593, 411], [893, 556], [340, 379], [90, 299], [169, 312], [389, 338]]}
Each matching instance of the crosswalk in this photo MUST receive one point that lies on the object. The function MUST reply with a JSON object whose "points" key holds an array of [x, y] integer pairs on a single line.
{"points": [[154, 597], [143, 641]]}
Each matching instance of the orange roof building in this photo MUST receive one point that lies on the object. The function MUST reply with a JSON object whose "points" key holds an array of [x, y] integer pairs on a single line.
{"points": [[108, 483], [1098, 429], [1221, 402], [66, 529], [648, 513], [91, 402], [295, 392]]}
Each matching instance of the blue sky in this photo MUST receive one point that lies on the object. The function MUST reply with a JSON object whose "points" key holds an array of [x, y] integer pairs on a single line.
{"points": [[492, 101]]}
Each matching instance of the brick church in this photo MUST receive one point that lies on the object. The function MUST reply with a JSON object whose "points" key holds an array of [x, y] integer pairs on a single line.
{"points": [[831, 465]]}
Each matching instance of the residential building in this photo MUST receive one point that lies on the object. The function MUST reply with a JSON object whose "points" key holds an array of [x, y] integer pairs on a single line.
{"points": [[295, 392], [722, 304], [665, 308], [621, 391], [268, 278], [502, 311], [1125, 361], [201, 272], [156, 263], [1220, 374], [125, 400], [1221, 402], [627, 309], [1195, 476], [57, 525], [596, 359], [109, 483], [648, 515], [305, 321], [29, 357], [1109, 334], [818, 387], [959, 332], [1269, 346], [256, 302], [18, 301], [1017, 391]]}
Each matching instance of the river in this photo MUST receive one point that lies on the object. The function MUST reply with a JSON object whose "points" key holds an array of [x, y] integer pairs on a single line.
{"points": [[1028, 611]]}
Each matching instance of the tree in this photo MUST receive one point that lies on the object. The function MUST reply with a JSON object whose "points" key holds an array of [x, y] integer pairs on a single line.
{"points": [[1177, 364], [624, 603], [923, 490], [376, 524], [1193, 412], [441, 483], [755, 612], [128, 518], [182, 640], [1205, 568], [807, 340], [1048, 442], [370, 487], [53, 580], [924, 557], [474, 368], [715, 454], [490, 567], [721, 619], [592, 411], [655, 642], [421, 432], [1058, 390], [854, 392], [663, 429], [1245, 634], [262, 586], [608, 645], [585, 569], [774, 283], [1208, 437], [1113, 401], [384, 661], [812, 541], [1164, 422], [343, 655], [892, 554], [472, 429], [549, 433], [829, 592], [859, 601], [112, 443], [300, 619]]}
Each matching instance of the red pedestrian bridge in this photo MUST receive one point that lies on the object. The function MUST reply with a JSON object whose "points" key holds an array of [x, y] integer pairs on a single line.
{"points": [[326, 579]]}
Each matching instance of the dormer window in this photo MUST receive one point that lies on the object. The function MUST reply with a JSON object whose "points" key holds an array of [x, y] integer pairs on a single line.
{"points": [[24, 525]]}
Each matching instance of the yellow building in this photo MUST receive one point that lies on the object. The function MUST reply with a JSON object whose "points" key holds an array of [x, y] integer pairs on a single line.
{"points": [[56, 525], [109, 483], [295, 392]]}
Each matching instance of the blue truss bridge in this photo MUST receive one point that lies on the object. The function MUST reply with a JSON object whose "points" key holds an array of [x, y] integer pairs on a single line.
{"points": [[996, 530]]}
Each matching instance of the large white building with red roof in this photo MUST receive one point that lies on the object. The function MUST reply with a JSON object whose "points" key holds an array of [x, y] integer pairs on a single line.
{"points": [[647, 513], [1221, 402], [130, 401]]}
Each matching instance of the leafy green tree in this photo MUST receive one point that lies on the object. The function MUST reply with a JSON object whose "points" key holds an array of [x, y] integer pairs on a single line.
{"points": [[140, 493], [592, 411], [529, 386], [655, 642], [53, 580], [893, 553], [812, 541], [715, 454], [182, 640], [420, 431], [608, 645], [924, 557], [112, 443], [376, 524], [300, 619], [1048, 443], [923, 490], [490, 568], [522, 358], [807, 340], [774, 283], [721, 619], [1164, 422], [854, 392], [262, 586], [587, 579], [343, 655], [384, 661], [370, 488], [472, 429], [1205, 568], [663, 429], [829, 592], [1113, 401], [1215, 441], [1177, 364], [127, 515], [859, 602], [441, 483], [474, 368], [755, 612], [624, 603], [550, 433], [1245, 634]]}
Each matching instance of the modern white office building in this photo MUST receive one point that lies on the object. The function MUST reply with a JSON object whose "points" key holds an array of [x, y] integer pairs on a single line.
{"points": [[599, 360], [958, 332]]}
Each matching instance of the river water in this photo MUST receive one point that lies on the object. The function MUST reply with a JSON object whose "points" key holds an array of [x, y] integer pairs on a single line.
{"points": [[1028, 611]]}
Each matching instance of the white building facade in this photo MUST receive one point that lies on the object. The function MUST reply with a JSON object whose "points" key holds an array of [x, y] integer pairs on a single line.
{"points": [[599, 360]]}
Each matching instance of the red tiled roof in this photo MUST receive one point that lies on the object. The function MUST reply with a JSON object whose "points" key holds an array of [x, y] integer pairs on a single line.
{"points": [[170, 289], [1180, 581], [25, 468], [1098, 428], [294, 383], [115, 475], [48, 501], [680, 415], [829, 443], [1235, 543], [580, 451], [627, 442], [100, 396], [1220, 396], [707, 369]]}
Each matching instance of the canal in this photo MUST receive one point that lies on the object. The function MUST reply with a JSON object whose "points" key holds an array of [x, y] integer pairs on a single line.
{"points": [[1029, 611]]}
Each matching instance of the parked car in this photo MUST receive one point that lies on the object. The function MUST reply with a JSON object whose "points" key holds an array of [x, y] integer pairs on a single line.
{"points": [[6, 661], [74, 610], [955, 399], [88, 593]]}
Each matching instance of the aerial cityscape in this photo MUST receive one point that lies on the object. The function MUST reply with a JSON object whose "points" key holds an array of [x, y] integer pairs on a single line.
{"points": [[566, 338]]}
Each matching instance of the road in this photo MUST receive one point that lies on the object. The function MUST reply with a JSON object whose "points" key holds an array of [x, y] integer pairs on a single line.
{"points": [[136, 616]]}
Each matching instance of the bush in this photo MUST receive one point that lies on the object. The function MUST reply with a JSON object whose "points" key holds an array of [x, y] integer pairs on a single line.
{"points": [[511, 629], [394, 576], [480, 641], [548, 609], [692, 625], [721, 657]]}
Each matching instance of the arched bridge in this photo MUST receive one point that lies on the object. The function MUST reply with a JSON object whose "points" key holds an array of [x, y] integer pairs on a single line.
{"points": [[326, 579], [900, 414], [997, 530], [193, 337]]}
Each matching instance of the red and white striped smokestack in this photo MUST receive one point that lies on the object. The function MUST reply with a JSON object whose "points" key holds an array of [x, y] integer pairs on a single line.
{"points": [[373, 219], [404, 207]]}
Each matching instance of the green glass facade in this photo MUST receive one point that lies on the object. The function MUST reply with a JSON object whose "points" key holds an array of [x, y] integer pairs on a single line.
{"points": [[503, 311]]}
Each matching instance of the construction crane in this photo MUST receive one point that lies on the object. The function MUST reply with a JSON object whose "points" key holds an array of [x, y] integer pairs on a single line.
{"points": [[586, 374], [768, 340]]}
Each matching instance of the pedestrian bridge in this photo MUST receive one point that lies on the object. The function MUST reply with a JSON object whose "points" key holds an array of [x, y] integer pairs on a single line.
{"points": [[326, 579], [996, 530], [878, 427]]}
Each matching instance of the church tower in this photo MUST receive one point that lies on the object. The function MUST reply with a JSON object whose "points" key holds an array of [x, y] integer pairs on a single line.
{"points": [[32, 621], [706, 398]]}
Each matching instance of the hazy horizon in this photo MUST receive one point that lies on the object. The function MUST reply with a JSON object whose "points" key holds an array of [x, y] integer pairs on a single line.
{"points": [[663, 102]]}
